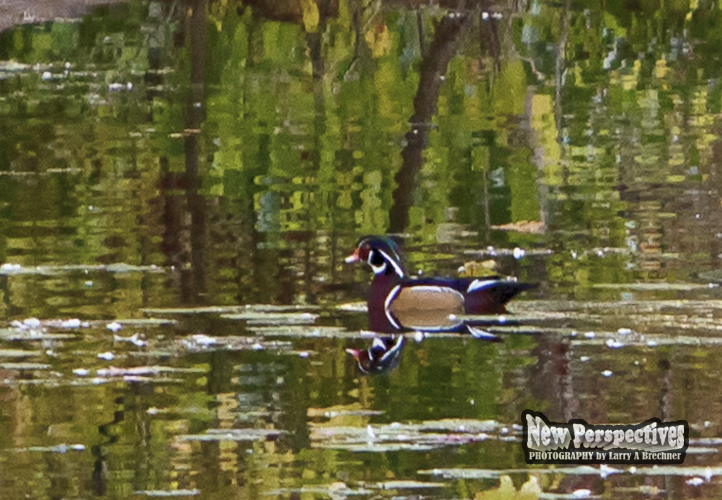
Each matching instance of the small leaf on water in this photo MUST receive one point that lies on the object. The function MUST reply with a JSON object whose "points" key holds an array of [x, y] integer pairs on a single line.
{"points": [[311, 16], [506, 491]]}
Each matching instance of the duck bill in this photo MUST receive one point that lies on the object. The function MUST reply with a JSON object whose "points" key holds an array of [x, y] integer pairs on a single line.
{"points": [[352, 258], [353, 352]]}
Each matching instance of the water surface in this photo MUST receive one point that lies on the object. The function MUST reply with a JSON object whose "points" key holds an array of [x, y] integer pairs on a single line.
{"points": [[179, 184]]}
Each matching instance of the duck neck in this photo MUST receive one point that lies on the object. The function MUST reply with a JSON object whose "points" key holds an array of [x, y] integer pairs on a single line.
{"points": [[381, 286]]}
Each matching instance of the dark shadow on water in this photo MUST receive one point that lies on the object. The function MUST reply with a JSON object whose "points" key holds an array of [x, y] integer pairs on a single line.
{"points": [[108, 430], [195, 285], [185, 247]]}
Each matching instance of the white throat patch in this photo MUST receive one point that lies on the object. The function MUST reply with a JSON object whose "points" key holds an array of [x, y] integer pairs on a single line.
{"points": [[377, 269]]}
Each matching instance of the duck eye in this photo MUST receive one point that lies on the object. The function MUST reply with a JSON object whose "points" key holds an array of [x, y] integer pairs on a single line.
{"points": [[376, 259]]}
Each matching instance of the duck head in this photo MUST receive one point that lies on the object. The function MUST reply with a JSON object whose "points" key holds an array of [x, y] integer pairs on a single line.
{"points": [[379, 252], [383, 355]]}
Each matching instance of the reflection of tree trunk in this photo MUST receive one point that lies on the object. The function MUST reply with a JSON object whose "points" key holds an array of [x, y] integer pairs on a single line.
{"points": [[558, 78], [487, 210], [171, 183], [714, 180], [356, 10], [290, 11], [420, 29], [100, 451], [156, 48], [153, 79], [196, 203], [666, 413], [552, 380], [489, 38], [315, 44], [173, 247], [433, 68]]}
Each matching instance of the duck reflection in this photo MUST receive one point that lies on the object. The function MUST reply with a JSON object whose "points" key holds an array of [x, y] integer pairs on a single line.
{"points": [[382, 357]]}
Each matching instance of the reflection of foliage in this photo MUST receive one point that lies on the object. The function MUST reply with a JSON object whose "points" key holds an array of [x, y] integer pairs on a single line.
{"points": [[506, 491], [218, 10], [311, 15], [304, 131], [600, 125]]}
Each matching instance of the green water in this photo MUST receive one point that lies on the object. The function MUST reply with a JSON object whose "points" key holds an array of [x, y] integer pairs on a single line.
{"points": [[193, 175]]}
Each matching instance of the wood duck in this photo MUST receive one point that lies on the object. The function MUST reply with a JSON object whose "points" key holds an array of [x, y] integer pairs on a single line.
{"points": [[383, 355], [397, 303]]}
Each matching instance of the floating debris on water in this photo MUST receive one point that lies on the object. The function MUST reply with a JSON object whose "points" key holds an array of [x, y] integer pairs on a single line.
{"points": [[17, 269], [168, 493], [114, 326], [146, 322], [642, 287], [335, 490], [700, 450], [60, 448], [233, 435], [660, 340], [500, 252], [203, 342], [21, 335], [273, 318], [134, 339], [426, 435], [340, 411], [202, 339], [33, 323], [469, 473], [359, 307], [18, 353], [307, 331], [576, 494], [70, 323], [24, 366], [8, 268], [528, 491], [404, 485], [228, 309], [145, 370]]}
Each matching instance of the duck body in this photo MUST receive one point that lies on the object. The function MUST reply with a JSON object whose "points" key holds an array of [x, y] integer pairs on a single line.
{"points": [[397, 303]]}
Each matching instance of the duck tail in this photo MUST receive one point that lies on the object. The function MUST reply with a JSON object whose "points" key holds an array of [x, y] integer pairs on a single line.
{"points": [[491, 296]]}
